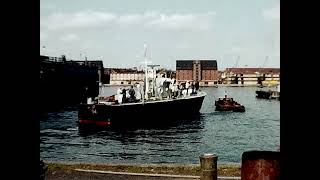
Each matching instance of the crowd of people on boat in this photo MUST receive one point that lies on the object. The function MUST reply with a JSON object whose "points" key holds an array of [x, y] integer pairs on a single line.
{"points": [[170, 88], [165, 88]]}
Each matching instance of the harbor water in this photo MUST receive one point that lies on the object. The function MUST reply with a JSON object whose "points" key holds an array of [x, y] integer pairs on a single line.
{"points": [[228, 134]]}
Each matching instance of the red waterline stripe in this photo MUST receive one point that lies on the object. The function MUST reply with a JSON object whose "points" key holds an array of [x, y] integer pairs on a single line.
{"points": [[100, 123]]}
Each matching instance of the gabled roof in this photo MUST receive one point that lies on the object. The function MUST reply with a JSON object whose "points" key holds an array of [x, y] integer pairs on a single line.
{"points": [[188, 64], [253, 70], [122, 70]]}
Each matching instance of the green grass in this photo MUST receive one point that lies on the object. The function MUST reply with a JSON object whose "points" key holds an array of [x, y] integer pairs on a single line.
{"points": [[193, 170]]}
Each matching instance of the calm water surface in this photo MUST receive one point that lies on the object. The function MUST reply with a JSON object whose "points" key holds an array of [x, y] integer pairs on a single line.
{"points": [[227, 134]]}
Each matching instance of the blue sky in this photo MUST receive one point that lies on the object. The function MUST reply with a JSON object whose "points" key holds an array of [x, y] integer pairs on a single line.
{"points": [[116, 30]]}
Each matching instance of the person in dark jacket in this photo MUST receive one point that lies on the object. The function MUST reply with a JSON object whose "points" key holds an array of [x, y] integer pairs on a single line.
{"points": [[85, 95], [197, 85], [124, 93], [132, 95], [192, 88]]}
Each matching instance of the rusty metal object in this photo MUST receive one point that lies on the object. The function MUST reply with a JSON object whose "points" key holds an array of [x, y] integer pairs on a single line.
{"points": [[260, 165], [208, 165]]}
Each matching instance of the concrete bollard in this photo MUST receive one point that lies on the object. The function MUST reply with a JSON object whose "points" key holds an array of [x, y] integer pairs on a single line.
{"points": [[208, 165], [260, 165]]}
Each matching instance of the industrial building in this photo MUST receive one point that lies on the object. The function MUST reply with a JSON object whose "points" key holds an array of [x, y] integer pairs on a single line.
{"points": [[250, 76], [123, 76]]}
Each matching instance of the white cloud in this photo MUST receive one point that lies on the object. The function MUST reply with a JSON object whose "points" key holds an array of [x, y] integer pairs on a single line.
{"points": [[69, 37], [87, 19], [273, 13], [130, 19], [182, 21]]}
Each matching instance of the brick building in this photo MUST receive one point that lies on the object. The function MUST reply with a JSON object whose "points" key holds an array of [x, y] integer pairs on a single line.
{"points": [[204, 71]]}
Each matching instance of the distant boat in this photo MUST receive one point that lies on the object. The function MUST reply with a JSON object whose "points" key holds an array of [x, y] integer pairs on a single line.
{"points": [[269, 93], [109, 111]]}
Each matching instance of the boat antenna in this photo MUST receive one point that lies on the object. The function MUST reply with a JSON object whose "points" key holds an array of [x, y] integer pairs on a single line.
{"points": [[146, 73]]}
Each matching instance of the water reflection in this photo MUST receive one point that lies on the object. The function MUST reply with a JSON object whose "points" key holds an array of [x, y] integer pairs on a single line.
{"points": [[191, 124]]}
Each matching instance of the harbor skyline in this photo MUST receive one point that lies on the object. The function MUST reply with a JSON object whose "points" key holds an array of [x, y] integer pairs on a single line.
{"points": [[115, 31]]}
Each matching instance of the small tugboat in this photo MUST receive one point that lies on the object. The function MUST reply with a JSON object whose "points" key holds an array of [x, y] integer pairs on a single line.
{"points": [[228, 104]]}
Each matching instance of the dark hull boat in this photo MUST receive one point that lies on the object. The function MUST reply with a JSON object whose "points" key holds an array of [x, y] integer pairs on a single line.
{"points": [[140, 112], [263, 94], [227, 104], [156, 104], [267, 94]]}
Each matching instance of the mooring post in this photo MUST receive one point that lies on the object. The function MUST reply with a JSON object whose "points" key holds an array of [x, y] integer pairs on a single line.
{"points": [[208, 165]]}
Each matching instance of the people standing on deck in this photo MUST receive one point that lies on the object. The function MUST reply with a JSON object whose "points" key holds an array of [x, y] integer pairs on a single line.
{"points": [[171, 90], [175, 89], [85, 95], [185, 90], [127, 93], [119, 91], [131, 92], [164, 86], [192, 88], [197, 86], [124, 95], [118, 96], [180, 89], [159, 87], [138, 92], [225, 96], [187, 87]]}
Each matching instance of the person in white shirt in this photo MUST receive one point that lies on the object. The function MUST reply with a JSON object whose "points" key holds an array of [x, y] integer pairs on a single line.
{"points": [[187, 87], [117, 96], [138, 92], [158, 86], [171, 89], [175, 88]]}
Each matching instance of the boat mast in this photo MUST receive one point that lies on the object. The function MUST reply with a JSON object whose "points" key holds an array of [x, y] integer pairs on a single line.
{"points": [[146, 73], [146, 81]]}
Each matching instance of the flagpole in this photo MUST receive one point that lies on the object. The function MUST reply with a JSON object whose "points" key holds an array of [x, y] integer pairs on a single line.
{"points": [[146, 73], [146, 86]]}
